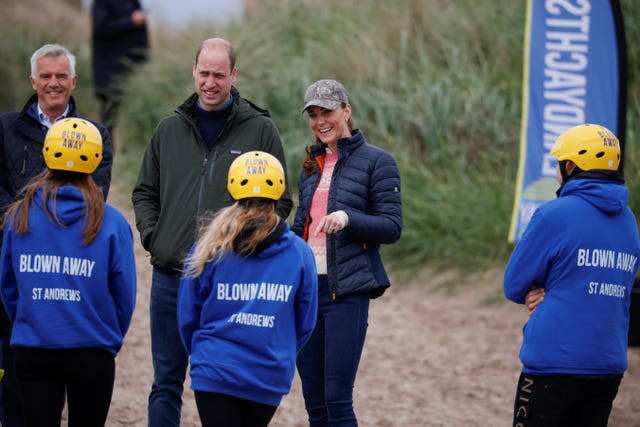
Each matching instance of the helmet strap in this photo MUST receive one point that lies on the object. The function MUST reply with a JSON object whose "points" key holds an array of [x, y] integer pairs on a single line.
{"points": [[563, 171]]}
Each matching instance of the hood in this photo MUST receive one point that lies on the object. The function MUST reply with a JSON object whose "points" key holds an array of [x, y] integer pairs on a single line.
{"points": [[608, 196], [68, 206], [276, 242]]}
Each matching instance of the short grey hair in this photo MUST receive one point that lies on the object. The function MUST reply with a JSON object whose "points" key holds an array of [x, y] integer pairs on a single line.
{"points": [[54, 50]]}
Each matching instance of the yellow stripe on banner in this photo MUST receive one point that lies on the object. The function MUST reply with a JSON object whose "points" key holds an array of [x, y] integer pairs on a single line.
{"points": [[523, 121]]}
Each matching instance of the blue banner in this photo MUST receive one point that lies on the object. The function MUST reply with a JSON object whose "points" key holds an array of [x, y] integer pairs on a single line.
{"points": [[573, 72]]}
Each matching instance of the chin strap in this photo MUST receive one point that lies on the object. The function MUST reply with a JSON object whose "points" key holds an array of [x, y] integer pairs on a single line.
{"points": [[563, 171]]}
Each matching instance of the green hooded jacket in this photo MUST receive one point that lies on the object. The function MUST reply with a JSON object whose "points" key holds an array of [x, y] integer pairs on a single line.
{"points": [[182, 183]]}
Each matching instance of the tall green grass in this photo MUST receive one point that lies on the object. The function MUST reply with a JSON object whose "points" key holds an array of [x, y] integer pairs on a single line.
{"points": [[437, 83], [428, 80]]}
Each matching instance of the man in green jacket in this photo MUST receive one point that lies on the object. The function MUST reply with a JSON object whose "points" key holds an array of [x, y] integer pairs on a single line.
{"points": [[182, 182]]}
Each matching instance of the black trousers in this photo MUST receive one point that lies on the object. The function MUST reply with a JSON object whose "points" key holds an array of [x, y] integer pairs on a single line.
{"points": [[564, 400], [221, 410], [10, 403], [85, 375]]}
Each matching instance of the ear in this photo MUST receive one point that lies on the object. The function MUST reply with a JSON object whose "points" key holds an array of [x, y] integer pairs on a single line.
{"points": [[569, 167], [347, 109], [234, 75]]}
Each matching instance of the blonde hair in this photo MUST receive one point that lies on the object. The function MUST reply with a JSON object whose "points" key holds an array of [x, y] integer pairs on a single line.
{"points": [[238, 228], [51, 181]]}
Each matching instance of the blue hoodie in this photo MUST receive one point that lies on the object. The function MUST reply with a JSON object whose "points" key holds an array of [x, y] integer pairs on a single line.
{"points": [[583, 249], [61, 293], [243, 320]]}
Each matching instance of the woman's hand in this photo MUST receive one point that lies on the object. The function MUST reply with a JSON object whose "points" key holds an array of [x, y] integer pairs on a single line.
{"points": [[332, 223]]}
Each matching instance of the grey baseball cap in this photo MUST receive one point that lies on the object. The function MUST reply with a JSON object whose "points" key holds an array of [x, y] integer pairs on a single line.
{"points": [[327, 93]]}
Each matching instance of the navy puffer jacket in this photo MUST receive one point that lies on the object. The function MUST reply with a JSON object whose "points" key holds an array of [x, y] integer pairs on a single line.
{"points": [[366, 185]]}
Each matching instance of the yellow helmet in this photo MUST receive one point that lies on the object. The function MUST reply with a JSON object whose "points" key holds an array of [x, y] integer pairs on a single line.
{"points": [[74, 145], [589, 146], [256, 174]]}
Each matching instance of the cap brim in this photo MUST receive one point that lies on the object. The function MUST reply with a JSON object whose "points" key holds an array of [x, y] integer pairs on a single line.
{"points": [[329, 105]]}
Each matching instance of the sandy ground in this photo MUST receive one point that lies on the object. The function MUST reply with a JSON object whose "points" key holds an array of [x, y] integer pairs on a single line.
{"points": [[431, 359]]}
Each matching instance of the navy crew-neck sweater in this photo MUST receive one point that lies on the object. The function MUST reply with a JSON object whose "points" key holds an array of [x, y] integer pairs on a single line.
{"points": [[211, 123]]}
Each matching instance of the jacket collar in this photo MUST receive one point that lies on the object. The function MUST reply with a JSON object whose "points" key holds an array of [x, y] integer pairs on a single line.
{"points": [[346, 145], [187, 108], [604, 175], [29, 111]]}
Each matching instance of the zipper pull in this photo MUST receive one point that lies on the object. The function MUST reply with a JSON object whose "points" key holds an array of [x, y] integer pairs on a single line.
{"points": [[205, 160], [24, 161]]}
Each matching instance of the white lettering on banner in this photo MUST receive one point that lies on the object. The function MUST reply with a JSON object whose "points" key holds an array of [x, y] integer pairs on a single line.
{"points": [[606, 258], [254, 291], [565, 85], [41, 263]]}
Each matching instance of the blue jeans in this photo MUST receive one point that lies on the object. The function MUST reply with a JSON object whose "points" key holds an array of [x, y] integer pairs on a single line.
{"points": [[328, 363], [169, 356]]}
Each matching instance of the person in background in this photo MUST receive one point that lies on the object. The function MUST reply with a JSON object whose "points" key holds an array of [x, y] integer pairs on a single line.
{"points": [[182, 179], [119, 41], [53, 78], [242, 316], [574, 267], [349, 205], [67, 282]]}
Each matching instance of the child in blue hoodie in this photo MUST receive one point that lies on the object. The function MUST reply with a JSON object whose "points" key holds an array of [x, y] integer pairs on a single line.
{"points": [[247, 301], [68, 283], [574, 267]]}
